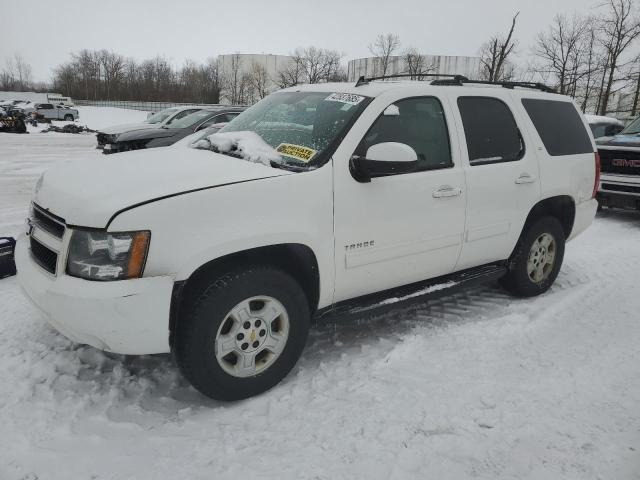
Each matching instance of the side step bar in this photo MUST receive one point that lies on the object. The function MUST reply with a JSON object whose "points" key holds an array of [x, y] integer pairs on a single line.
{"points": [[377, 303]]}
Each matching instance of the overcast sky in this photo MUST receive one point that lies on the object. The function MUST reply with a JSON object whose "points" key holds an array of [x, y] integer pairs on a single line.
{"points": [[45, 32]]}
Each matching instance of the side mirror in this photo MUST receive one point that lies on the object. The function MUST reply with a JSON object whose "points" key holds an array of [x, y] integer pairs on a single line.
{"points": [[382, 160]]}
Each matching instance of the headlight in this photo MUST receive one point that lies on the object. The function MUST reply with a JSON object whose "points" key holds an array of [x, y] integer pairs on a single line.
{"points": [[96, 255]]}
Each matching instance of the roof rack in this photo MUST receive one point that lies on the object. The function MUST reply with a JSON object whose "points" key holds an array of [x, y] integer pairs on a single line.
{"points": [[363, 80], [446, 79]]}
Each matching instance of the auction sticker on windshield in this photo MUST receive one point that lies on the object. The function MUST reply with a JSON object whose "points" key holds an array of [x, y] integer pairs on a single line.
{"points": [[299, 152], [349, 98]]}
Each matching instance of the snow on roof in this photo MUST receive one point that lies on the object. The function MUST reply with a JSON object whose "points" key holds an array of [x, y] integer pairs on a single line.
{"points": [[601, 119]]}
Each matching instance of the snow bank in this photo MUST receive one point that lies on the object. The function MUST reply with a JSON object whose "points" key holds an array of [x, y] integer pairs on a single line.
{"points": [[249, 145]]}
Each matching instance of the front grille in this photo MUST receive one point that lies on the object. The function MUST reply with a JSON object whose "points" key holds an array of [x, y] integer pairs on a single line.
{"points": [[44, 256], [626, 162], [49, 222], [621, 188]]}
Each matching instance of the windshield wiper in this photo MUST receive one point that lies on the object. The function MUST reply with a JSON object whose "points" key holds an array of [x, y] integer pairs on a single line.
{"points": [[286, 166]]}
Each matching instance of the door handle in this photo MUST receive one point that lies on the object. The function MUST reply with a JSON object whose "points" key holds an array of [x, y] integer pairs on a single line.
{"points": [[525, 178], [447, 191]]}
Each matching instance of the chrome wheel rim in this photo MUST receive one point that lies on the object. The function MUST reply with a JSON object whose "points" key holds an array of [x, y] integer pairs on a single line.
{"points": [[542, 257], [252, 336]]}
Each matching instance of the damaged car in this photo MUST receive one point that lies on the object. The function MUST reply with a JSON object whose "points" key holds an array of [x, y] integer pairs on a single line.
{"points": [[169, 134]]}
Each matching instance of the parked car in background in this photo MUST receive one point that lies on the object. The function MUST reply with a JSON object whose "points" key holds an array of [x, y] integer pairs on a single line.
{"points": [[154, 120], [602, 126], [620, 166], [173, 131], [319, 199], [58, 112]]}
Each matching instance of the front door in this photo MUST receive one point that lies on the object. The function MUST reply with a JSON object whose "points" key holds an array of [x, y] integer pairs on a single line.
{"points": [[400, 228]]}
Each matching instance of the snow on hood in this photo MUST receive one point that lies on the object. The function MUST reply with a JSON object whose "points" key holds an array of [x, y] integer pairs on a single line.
{"points": [[89, 192], [249, 145]]}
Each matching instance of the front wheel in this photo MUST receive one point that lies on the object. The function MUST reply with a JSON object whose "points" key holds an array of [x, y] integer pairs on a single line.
{"points": [[243, 334], [537, 258], [68, 118]]}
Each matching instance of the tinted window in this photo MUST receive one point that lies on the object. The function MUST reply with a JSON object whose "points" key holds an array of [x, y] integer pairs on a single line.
{"points": [[182, 114], [559, 126], [417, 122], [491, 131]]}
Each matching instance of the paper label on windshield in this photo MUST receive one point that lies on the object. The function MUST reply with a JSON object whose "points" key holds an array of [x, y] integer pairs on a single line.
{"points": [[348, 98], [299, 152]]}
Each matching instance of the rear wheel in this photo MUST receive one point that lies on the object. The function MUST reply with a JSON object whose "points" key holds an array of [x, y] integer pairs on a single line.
{"points": [[244, 333], [537, 258]]}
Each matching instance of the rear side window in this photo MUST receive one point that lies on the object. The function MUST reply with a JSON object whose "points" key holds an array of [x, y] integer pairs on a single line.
{"points": [[491, 131], [559, 126]]}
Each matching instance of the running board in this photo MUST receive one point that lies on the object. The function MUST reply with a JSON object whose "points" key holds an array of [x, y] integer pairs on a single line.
{"points": [[377, 303]]}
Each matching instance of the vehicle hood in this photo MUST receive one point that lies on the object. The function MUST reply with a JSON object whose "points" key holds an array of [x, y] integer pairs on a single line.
{"points": [[619, 141], [127, 127], [148, 134], [90, 192]]}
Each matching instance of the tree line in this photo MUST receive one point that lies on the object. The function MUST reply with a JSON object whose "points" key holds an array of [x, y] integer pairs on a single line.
{"points": [[589, 57]]}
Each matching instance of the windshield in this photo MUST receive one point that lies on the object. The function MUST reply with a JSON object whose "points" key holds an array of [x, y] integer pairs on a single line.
{"points": [[191, 119], [633, 127], [160, 116], [300, 126]]}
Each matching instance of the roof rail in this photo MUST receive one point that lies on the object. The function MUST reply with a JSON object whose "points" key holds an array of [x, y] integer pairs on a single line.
{"points": [[447, 79], [364, 80]]}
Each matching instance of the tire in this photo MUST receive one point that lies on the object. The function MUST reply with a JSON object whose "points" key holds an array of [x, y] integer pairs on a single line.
{"points": [[68, 118], [210, 321], [519, 280]]}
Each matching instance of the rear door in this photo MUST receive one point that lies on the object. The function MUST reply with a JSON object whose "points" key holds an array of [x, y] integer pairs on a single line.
{"points": [[502, 175]]}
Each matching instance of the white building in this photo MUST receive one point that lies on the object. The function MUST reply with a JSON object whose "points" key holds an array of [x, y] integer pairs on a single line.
{"points": [[446, 65]]}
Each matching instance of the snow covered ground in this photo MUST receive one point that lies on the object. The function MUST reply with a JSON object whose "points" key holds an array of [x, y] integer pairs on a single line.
{"points": [[475, 385]]}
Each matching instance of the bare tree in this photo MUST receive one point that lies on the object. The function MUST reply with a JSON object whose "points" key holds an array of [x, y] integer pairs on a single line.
{"points": [[292, 74], [416, 64], [592, 64], [234, 81], [383, 48], [560, 51], [311, 65], [494, 55], [619, 28], [23, 72], [259, 81]]}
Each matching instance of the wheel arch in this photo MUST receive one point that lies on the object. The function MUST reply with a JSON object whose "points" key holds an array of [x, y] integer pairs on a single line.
{"points": [[561, 207], [297, 259]]}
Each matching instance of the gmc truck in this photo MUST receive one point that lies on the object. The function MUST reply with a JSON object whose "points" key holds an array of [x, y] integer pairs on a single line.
{"points": [[620, 166]]}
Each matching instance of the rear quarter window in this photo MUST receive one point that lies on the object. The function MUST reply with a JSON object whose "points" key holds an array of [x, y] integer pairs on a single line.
{"points": [[559, 126]]}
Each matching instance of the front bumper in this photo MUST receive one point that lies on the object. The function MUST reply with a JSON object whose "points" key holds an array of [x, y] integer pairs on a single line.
{"points": [[126, 316], [619, 191]]}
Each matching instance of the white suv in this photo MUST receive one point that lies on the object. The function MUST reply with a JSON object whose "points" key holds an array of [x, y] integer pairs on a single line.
{"points": [[311, 201]]}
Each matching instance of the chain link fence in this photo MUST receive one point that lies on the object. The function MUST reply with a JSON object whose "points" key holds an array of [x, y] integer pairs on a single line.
{"points": [[132, 105]]}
